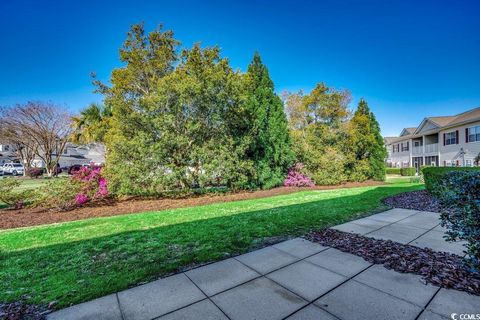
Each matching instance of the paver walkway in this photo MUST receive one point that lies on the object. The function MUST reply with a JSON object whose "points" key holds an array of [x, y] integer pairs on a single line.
{"points": [[297, 279]]}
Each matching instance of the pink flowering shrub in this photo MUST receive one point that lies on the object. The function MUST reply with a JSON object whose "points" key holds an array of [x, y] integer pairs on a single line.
{"points": [[92, 184], [295, 178], [81, 199], [85, 185]]}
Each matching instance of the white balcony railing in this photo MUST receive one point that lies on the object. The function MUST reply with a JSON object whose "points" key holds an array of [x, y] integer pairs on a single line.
{"points": [[417, 150], [429, 148]]}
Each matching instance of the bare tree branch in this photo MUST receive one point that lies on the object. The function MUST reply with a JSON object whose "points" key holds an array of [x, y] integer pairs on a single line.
{"points": [[38, 128]]}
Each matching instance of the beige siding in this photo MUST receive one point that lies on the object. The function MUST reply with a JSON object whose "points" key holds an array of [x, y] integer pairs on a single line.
{"points": [[400, 158], [452, 152]]}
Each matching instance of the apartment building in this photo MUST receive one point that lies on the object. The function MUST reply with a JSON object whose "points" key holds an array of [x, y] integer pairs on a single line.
{"points": [[437, 141]]}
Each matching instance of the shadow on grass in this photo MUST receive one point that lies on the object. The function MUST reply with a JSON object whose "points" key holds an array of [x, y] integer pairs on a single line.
{"points": [[82, 270]]}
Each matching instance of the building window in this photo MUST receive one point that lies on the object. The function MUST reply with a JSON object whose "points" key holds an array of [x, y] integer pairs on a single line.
{"points": [[473, 134], [405, 146], [6, 147], [450, 138], [468, 163]]}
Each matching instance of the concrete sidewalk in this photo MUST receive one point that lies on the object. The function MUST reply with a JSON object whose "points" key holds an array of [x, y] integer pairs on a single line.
{"points": [[297, 279]]}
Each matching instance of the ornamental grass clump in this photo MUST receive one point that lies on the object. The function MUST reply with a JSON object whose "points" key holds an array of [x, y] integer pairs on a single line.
{"points": [[295, 178]]}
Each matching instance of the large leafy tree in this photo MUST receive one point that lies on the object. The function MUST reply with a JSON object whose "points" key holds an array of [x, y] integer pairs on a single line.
{"points": [[134, 156], [171, 118], [317, 124], [267, 127], [366, 145]]}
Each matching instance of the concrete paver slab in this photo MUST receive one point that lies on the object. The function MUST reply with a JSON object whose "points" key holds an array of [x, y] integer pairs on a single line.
{"points": [[204, 310], [440, 228], [311, 312], [448, 301], [434, 240], [406, 286], [369, 222], [354, 300], [258, 299], [306, 279], [104, 308], [299, 247], [422, 220], [340, 262], [266, 259], [220, 276], [396, 232], [393, 215], [158, 298], [355, 228], [428, 315]]}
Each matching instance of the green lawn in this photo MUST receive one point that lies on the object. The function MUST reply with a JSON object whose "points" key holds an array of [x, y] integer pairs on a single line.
{"points": [[77, 261], [393, 178]]}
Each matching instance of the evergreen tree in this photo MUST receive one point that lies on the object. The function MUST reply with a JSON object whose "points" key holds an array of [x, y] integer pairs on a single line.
{"points": [[368, 149], [266, 128]]}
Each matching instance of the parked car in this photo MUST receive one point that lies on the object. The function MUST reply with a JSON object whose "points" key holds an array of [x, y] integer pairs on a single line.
{"points": [[14, 169]]}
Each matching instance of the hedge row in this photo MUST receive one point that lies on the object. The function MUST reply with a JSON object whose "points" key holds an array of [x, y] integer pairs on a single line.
{"points": [[392, 170], [433, 176], [408, 171]]}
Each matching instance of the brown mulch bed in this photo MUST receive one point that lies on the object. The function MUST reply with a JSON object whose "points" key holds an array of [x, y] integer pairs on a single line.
{"points": [[31, 217], [442, 269], [22, 311], [415, 200]]}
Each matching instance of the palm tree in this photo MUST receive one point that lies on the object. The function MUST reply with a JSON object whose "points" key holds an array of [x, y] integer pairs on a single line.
{"points": [[92, 124]]}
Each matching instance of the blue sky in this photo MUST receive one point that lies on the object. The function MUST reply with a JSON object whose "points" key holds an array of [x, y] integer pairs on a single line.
{"points": [[409, 59]]}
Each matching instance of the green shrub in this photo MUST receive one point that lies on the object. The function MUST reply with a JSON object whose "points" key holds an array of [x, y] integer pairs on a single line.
{"points": [[408, 172], [393, 171], [434, 175], [11, 196], [58, 193], [459, 192]]}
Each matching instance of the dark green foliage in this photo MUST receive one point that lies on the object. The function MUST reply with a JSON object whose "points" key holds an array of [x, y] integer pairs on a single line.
{"points": [[433, 176], [459, 191], [408, 171], [392, 171], [266, 128], [187, 121], [365, 148]]}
